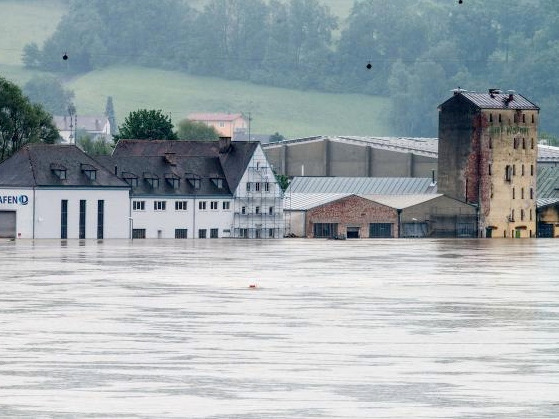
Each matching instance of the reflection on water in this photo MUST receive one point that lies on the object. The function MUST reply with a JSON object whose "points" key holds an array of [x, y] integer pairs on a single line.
{"points": [[336, 329]]}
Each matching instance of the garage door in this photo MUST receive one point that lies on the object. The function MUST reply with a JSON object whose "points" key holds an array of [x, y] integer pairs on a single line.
{"points": [[8, 224], [377, 230]]}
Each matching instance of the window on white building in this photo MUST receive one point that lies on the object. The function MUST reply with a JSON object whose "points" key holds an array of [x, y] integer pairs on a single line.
{"points": [[202, 233], [213, 205], [226, 205], [181, 233], [159, 205], [181, 205], [138, 205], [202, 205], [139, 233], [214, 233]]}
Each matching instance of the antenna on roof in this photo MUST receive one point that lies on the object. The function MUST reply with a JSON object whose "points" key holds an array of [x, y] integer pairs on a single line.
{"points": [[458, 90]]}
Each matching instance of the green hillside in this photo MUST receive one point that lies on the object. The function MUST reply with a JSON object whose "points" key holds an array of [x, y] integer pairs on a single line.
{"points": [[25, 21], [289, 112], [292, 113]]}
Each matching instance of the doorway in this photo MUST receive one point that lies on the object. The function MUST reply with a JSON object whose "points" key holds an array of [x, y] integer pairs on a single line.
{"points": [[352, 232], [8, 224]]}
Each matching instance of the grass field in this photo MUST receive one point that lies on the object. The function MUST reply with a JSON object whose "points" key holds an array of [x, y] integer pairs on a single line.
{"points": [[25, 21], [289, 112], [292, 113]]}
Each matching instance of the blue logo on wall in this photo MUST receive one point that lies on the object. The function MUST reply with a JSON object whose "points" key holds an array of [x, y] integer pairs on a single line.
{"points": [[14, 199]]}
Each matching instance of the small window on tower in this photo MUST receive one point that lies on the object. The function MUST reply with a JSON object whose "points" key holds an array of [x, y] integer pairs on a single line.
{"points": [[508, 173]]}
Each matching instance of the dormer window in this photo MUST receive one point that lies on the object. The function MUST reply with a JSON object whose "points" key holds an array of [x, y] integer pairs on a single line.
{"points": [[173, 180], [218, 182], [151, 179], [130, 178], [89, 171], [58, 170], [194, 180]]}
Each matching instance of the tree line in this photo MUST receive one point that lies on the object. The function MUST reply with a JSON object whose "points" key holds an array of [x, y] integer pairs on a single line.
{"points": [[418, 50]]}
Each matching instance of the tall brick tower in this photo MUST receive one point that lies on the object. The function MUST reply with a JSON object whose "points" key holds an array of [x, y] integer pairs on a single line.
{"points": [[487, 157]]}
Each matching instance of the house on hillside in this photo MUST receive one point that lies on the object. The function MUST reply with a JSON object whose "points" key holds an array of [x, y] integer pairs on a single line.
{"points": [[199, 189], [58, 191], [96, 126], [226, 124]]}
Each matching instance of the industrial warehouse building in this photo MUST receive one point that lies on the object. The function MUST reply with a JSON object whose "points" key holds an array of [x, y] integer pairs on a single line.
{"points": [[146, 189], [322, 207], [348, 156]]}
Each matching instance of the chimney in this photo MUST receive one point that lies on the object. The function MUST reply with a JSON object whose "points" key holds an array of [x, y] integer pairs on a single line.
{"points": [[511, 95], [170, 158], [224, 144], [493, 92]]}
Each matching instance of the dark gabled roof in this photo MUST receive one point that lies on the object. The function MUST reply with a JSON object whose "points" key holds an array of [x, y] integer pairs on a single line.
{"points": [[496, 100], [198, 157], [156, 167], [35, 165]]}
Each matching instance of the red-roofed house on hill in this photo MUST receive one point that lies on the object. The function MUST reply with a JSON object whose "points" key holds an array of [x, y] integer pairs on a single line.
{"points": [[226, 124]]}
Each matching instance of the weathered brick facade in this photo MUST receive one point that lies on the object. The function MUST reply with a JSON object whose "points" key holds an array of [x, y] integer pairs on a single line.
{"points": [[353, 211], [487, 157]]}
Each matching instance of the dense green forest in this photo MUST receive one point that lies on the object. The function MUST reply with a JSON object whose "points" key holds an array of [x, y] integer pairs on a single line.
{"points": [[418, 50]]}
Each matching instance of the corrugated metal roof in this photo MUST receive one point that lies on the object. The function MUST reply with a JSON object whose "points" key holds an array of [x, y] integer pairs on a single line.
{"points": [[305, 201], [420, 146], [548, 182], [545, 202], [362, 185], [547, 153], [499, 101]]}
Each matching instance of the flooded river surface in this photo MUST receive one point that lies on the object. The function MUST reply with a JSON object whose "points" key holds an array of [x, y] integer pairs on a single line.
{"points": [[280, 329]]}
